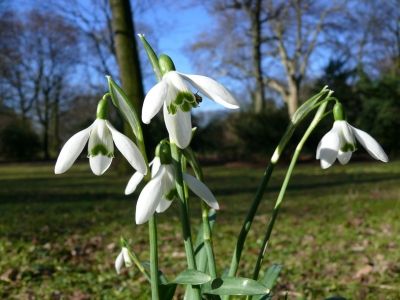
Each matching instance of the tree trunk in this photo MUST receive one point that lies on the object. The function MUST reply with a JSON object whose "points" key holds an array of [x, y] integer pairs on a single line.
{"points": [[259, 99], [128, 60], [292, 99], [126, 50]]}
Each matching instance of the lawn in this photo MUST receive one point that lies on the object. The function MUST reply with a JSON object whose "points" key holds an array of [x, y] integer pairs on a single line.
{"points": [[337, 234]]}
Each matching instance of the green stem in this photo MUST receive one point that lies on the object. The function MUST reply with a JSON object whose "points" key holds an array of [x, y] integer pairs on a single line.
{"points": [[154, 280], [318, 117], [153, 257], [185, 222], [256, 201], [207, 239], [207, 234], [139, 265]]}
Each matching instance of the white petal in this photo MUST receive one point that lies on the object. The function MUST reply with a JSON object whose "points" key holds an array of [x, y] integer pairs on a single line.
{"points": [[328, 148], [128, 149], [344, 157], [174, 78], [127, 258], [148, 200], [345, 131], [71, 150], [100, 140], [119, 262], [99, 163], [370, 144], [201, 190], [156, 164], [179, 127], [212, 89], [133, 183], [153, 101], [163, 205]]}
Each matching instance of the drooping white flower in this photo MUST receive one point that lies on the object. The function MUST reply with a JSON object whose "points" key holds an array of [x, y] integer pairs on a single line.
{"points": [[173, 94], [101, 136], [123, 259], [158, 193], [340, 143]]}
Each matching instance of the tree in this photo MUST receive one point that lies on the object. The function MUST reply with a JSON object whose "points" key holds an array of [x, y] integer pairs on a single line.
{"points": [[282, 36], [126, 51], [37, 68]]}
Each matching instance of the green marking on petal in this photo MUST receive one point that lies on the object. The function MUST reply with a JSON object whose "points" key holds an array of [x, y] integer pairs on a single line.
{"points": [[171, 195], [349, 147], [100, 149], [186, 107], [172, 109], [184, 96]]}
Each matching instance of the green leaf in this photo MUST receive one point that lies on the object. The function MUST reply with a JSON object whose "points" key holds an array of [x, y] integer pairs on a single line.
{"points": [[125, 107], [152, 57], [309, 105], [167, 291], [199, 249], [271, 275], [234, 286], [192, 277], [161, 277]]}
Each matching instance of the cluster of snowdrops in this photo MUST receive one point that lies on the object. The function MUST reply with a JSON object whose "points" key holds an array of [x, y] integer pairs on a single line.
{"points": [[167, 178]]}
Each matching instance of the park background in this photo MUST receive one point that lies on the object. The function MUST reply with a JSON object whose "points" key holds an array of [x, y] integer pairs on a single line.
{"points": [[338, 231]]}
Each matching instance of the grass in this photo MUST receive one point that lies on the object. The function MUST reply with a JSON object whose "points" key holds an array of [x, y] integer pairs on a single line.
{"points": [[337, 233]]}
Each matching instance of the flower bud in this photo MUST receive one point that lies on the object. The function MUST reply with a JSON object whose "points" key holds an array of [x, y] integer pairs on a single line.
{"points": [[338, 112], [166, 64], [102, 108], [163, 151]]}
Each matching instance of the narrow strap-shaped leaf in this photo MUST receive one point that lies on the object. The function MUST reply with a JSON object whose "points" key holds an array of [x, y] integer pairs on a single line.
{"points": [[269, 280], [192, 277], [152, 57], [124, 106], [234, 286], [199, 249], [271, 275]]}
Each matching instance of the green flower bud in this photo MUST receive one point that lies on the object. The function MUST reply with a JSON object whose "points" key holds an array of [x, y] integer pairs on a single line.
{"points": [[338, 112], [102, 108], [166, 64], [163, 151]]}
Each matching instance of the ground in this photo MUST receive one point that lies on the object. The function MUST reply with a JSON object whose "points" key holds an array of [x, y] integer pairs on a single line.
{"points": [[337, 233]]}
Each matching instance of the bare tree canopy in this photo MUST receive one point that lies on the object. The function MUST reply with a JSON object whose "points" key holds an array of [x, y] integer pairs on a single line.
{"points": [[273, 45], [39, 54]]}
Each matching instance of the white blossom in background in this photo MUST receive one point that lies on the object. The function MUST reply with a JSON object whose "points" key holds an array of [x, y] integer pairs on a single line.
{"points": [[159, 192], [173, 94], [340, 142], [123, 259], [101, 136]]}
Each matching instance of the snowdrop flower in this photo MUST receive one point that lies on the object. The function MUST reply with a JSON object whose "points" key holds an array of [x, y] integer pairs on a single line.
{"points": [[101, 135], [123, 259], [173, 94], [159, 192], [340, 142]]}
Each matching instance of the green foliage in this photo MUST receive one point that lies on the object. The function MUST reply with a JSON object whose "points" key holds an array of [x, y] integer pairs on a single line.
{"points": [[381, 109], [19, 141], [338, 233], [234, 286], [259, 133], [192, 277], [245, 135]]}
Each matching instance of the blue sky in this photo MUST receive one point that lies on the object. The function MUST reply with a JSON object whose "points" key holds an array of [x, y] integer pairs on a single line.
{"points": [[177, 27]]}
